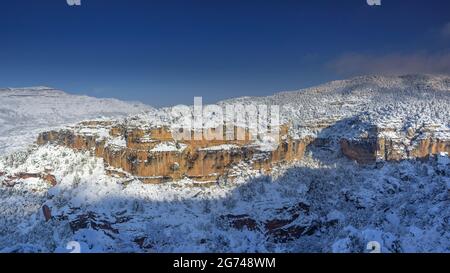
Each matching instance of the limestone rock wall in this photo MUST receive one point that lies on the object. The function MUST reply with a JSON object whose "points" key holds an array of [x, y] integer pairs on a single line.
{"points": [[206, 160], [395, 146], [200, 160]]}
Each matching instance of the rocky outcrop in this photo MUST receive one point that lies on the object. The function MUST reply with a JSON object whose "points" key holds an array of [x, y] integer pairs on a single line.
{"points": [[286, 224], [154, 156], [49, 178], [93, 221], [10, 180], [241, 222], [46, 211], [390, 145], [363, 150]]}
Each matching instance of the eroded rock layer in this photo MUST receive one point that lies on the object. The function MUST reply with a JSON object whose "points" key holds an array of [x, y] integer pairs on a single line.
{"points": [[390, 145], [153, 155]]}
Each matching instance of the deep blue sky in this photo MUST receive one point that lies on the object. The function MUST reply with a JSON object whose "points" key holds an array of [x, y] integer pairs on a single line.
{"points": [[165, 52]]}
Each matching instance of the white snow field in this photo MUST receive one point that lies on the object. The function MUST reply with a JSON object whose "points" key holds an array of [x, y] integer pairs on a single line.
{"points": [[323, 203]]}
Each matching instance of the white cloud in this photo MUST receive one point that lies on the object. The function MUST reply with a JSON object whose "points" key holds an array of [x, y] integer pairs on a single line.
{"points": [[391, 64]]}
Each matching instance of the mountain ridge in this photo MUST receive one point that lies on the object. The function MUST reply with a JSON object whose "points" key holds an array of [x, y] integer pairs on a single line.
{"points": [[26, 111], [354, 82]]}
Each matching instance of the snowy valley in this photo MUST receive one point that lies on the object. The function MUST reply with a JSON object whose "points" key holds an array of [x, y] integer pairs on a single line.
{"points": [[375, 167]]}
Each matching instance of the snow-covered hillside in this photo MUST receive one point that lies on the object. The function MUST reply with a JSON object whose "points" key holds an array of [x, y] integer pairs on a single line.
{"points": [[312, 206], [322, 203], [400, 102], [26, 111]]}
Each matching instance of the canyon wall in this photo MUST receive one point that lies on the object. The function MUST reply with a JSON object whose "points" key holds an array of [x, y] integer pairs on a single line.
{"points": [[154, 156], [390, 145], [198, 159]]}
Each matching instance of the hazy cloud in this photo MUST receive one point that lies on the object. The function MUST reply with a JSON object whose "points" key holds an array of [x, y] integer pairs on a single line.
{"points": [[445, 32], [391, 64]]}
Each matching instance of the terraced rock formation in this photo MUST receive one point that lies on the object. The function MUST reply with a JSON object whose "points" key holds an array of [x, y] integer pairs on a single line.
{"points": [[153, 156]]}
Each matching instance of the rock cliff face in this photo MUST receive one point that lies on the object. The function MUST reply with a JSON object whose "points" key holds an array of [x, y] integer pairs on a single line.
{"points": [[153, 156], [370, 150], [390, 145], [372, 117]]}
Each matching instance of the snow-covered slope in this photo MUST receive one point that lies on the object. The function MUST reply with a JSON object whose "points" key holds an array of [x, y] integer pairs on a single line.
{"points": [[398, 103], [401, 102], [312, 206], [26, 111], [323, 203]]}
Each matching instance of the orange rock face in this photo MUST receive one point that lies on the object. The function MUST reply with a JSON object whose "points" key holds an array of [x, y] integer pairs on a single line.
{"points": [[363, 151], [367, 151], [200, 159], [49, 179], [137, 152], [430, 146]]}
